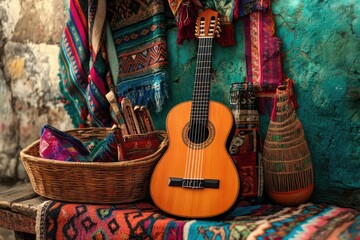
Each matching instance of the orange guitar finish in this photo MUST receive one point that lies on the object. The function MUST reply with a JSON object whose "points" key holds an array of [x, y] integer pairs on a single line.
{"points": [[216, 164]]}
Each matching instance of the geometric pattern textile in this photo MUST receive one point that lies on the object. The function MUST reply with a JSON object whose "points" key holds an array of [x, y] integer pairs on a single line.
{"points": [[141, 220], [114, 45], [262, 52], [139, 34], [59, 145]]}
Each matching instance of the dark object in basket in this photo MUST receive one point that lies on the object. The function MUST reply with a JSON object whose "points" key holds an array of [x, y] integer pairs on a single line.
{"points": [[91, 182]]}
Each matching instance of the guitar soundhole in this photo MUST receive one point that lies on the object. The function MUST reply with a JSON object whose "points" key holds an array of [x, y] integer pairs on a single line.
{"points": [[198, 135]]}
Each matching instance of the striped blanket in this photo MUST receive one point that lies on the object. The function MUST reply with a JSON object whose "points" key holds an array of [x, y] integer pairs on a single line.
{"points": [[58, 220]]}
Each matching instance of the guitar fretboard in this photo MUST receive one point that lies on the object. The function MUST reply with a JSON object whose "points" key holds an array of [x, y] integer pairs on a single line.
{"points": [[201, 93]]}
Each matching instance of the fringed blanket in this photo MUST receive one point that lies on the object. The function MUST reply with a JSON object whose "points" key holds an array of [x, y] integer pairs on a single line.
{"points": [[112, 45], [57, 220]]}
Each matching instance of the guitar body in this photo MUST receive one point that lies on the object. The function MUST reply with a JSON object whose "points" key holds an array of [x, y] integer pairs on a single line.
{"points": [[210, 157]]}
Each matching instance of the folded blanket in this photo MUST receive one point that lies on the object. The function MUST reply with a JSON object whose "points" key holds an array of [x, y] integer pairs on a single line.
{"points": [[141, 220], [59, 145]]}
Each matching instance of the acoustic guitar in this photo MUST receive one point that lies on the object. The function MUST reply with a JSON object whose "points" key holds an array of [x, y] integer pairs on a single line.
{"points": [[196, 177]]}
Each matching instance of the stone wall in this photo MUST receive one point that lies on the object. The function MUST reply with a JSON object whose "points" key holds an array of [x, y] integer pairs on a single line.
{"points": [[29, 37]]}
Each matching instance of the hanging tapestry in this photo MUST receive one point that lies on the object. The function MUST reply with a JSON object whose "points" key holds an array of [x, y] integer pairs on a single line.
{"points": [[126, 38], [186, 12], [262, 51], [225, 8], [246, 7], [139, 34]]}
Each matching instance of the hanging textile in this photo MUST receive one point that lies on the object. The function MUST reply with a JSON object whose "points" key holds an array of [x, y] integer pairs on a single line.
{"points": [[262, 51], [246, 7], [225, 8], [186, 12], [246, 145], [139, 34], [97, 40]]}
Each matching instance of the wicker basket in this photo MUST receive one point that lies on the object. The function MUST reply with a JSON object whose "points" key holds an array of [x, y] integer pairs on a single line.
{"points": [[91, 182]]}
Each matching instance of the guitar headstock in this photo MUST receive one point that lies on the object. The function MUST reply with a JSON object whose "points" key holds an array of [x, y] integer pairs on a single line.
{"points": [[207, 24]]}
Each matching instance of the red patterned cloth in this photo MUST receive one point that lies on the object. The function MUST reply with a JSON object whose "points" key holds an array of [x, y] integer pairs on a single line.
{"points": [[57, 220], [262, 51], [186, 12], [138, 146]]}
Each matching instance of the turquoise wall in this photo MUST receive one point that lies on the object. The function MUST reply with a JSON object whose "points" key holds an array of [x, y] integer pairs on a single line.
{"points": [[321, 46]]}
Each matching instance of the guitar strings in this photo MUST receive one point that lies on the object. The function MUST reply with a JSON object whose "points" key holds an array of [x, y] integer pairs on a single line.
{"points": [[199, 116], [204, 129], [208, 48], [203, 89], [199, 121], [191, 153]]}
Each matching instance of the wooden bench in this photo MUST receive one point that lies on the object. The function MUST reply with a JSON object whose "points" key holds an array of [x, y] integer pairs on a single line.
{"points": [[18, 206]]}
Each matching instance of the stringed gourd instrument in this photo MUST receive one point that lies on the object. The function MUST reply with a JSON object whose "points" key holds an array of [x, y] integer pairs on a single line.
{"points": [[196, 177]]}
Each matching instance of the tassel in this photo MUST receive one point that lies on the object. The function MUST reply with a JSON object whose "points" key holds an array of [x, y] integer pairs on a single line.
{"points": [[292, 95], [273, 113], [227, 36], [186, 19]]}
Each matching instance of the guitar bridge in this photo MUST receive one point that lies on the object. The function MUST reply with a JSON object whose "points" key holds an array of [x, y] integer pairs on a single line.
{"points": [[193, 183]]}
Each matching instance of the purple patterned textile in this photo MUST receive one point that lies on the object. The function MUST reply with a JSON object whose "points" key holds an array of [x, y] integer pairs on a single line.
{"points": [[55, 144]]}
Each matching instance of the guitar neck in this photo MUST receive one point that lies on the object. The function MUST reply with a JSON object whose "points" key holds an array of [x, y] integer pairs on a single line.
{"points": [[201, 94]]}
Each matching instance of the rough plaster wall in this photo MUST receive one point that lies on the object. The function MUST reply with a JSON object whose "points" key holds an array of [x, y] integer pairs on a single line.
{"points": [[322, 48], [29, 36]]}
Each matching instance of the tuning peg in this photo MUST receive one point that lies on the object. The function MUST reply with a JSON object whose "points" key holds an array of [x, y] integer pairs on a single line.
{"points": [[217, 35], [218, 28]]}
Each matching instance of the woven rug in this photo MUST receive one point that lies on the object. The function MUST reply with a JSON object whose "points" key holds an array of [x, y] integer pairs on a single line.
{"points": [[58, 220]]}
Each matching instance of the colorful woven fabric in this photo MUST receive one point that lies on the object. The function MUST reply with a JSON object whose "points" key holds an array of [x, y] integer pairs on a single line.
{"points": [[139, 33], [57, 220], [245, 148], [248, 6], [102, 37], [137, 146], [186, 12], [104, 150], [59, 145], [74, 60], [225, 8], [55, 144], [262, 50]]}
